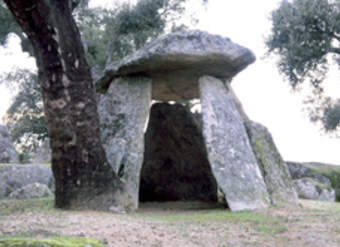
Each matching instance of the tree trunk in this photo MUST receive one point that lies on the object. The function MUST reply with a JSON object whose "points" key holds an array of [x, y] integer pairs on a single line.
{"points": [[83, 176]]}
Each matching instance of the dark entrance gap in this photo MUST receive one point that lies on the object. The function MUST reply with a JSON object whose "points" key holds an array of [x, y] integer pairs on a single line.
{"points": [[175, 167]]}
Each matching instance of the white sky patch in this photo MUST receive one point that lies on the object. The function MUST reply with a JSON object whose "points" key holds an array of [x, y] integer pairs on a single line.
{"points": [[11, 57], [265, 96]]}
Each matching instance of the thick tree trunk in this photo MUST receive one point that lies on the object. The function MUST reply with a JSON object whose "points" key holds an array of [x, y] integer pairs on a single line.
{"points": [[82, 173]]}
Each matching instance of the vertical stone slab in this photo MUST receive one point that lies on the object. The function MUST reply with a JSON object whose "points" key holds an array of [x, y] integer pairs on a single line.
{"points": [[229, 152], [274, 170], [124, 111]]}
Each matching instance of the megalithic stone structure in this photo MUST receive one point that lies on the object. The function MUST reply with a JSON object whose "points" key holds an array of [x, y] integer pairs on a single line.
{"points": [[183, 66], [123, 112], [230, 154]]}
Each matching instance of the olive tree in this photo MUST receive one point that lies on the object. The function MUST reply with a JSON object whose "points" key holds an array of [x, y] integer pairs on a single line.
{"points": [[305, 35]]}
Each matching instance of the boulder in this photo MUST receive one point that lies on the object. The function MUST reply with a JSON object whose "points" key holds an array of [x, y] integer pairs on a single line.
{"points": [[326, 174], [309, 188], [30, 191], [14, 177], [8, 154], [301, 170], [229, 152], [274, 170], [123, 113], [176, 61], [175, 165]]}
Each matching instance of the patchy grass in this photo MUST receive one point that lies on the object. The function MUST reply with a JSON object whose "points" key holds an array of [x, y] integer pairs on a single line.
{"points": [[53, 242], [210, 215], [22, 206], [176, 224]]}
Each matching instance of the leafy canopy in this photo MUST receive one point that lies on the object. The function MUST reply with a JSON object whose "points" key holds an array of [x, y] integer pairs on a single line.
{"points": [[305, 35], [108, 35]]}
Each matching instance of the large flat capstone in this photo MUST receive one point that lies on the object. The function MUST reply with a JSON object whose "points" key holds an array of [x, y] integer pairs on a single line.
{"points": [[229, 152], [176, 61]]}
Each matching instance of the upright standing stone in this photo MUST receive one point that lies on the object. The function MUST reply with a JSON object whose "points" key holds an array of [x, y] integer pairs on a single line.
{"points": [[124, 111], [274, 170], [230, 154]]}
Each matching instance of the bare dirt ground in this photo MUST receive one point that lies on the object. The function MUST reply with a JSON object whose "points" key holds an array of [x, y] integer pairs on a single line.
{"points": [[180, 224]]}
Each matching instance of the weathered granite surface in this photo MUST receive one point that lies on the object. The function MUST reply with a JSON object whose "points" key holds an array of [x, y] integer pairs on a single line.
{"points": [[230, 154], [326, 174], [301, 170], [176, 61], [309, 188], [123, 112], [175, 165], [8, 154], [274, 170], [14, 177], [30, 191]]}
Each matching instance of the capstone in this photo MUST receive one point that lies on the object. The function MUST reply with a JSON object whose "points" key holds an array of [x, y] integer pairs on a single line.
{"points": [[176, 61]]}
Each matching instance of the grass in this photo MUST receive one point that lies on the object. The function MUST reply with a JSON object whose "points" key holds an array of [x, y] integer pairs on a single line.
{"points": [[22, 206], [51, 242], [209, 215], [260, 222]]}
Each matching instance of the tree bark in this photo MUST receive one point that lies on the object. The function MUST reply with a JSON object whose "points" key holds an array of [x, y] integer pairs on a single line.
{"points": [[83, 176]]}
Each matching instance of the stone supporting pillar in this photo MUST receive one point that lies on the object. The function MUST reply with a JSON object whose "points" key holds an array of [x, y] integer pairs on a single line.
{"points": [[229, 152], [124, 111]]}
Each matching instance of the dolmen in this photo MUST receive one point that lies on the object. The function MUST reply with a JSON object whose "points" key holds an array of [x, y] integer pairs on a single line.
{"points": [[180, 67]]}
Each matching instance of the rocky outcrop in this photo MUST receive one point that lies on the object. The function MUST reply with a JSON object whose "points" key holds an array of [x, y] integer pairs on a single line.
{"points": [[8, 154], [309, 188], [123, 113], [230, 154], [274, 170], [175, 165], [176, 61], [300, 170], [326, 174], [14, 177], [30, 191]]}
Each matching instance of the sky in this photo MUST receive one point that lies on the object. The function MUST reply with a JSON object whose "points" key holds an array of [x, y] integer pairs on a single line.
{"points": [[265, 96]]}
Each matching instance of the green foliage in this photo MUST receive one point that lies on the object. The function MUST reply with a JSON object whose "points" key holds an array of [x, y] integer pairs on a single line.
{"points": [[25, 117], [304, 35], [111, 34], [108, 35]]}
